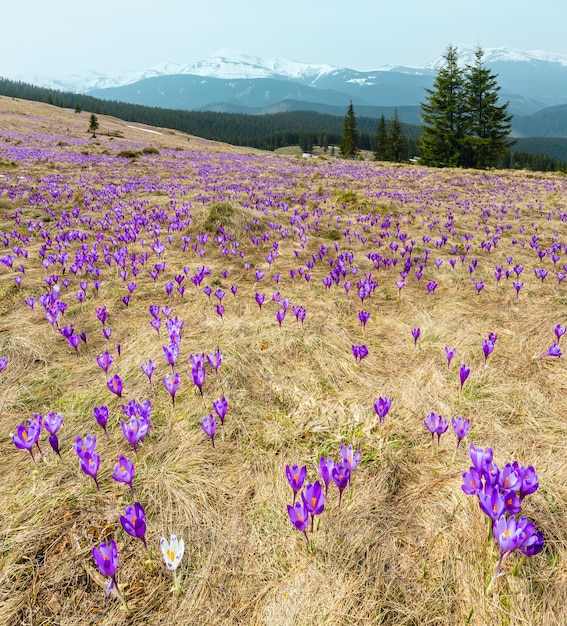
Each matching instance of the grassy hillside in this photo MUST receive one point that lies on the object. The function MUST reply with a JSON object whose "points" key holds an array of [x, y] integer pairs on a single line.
{"points": [[145, 217]]}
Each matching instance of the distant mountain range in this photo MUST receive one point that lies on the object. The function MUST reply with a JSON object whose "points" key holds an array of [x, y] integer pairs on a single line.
{"points": [[533, 83]]}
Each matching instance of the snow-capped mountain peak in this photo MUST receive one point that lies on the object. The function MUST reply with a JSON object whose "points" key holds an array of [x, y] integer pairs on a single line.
{"points": [[466, 54]]}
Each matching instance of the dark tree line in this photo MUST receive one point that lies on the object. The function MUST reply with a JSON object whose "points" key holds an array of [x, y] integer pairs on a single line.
{"points": [[269, 132]]}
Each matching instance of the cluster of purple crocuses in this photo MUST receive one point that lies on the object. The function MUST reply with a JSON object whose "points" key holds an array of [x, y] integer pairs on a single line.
{"points": [[313, 498], [437, 425], [208, 422], [500, 493]]}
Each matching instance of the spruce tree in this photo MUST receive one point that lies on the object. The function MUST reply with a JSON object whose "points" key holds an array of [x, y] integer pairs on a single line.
{"points": [[381, 141], [93, 125], [488, 124], [443, 115], [349, 140], [397, 143]]}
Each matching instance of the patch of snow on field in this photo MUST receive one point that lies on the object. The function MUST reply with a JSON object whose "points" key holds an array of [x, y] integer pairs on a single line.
{"points": [[147, 130]]}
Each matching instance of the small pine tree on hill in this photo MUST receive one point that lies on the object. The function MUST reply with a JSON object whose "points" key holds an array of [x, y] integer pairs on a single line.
{"points": [[349, 139], [93, 125]]}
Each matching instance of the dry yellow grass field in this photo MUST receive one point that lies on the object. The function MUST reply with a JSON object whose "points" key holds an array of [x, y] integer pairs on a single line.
{"points": [[407, 546]]}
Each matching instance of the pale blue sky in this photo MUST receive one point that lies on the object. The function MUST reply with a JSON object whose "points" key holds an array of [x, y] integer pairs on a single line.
{"points": [[59, 37]]}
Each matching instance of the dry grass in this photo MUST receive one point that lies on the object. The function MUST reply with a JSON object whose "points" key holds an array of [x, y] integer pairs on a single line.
{"points": [[407, 547]]}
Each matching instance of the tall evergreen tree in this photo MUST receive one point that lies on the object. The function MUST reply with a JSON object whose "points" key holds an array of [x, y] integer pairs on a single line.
{"points": [[349, 139], [397, 144], [488, 124], [381, 141], [443, 115]]}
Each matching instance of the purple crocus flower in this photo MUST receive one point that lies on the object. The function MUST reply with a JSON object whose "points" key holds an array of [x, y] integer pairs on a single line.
{"points": [[415, 333], [90, 463], [431, 287], [131, 432], [492, 503], [359, 352], [480, 458], [134, 522], [349, 458], [295, 478], [101, 416], [209, 426], [3, 363], [325, 470], [363, 318], [106, 559], [529, 483], [553, 350], [559, 331], [221, 407], [431, 422], [171, 352], [532, 544], [472, 482], [280, 316], [26, 437], [442, 427], [115, 385], [450, 353], [52, 423], [341, 476], [82, 446], [461, 428], [171, 383], [487, 348], [104, 361], [505, 533], [299, 517], [155, 323], [509, 478], [259, 297], [313, 499], [198, 377], [382, 407], [215, 360], [464, 373], [148, 369], [124, 472]]}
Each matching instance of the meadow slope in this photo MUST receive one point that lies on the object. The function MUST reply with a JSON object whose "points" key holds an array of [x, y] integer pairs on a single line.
{"points": [[132, 219]]}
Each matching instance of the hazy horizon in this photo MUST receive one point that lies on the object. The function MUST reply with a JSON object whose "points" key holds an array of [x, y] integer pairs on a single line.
{"points": [[65, 38]]}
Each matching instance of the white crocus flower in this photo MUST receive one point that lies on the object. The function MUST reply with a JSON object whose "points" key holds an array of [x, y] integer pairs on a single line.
{"points": [[172, 554]]}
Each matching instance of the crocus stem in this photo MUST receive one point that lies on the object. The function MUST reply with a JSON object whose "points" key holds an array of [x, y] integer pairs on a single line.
{"points": [[123, 598], [496, 573], [176, 584], [520, 564]]}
